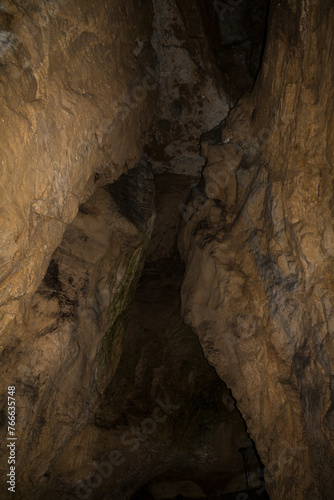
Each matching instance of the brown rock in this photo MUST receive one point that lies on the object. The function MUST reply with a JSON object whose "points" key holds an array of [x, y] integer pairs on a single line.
{"points": [[258, 289], [73, 100]]}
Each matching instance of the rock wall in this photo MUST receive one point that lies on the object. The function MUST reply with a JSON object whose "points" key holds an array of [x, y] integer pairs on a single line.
{"points": [[191, 93], [78, 93], [258, 244], [75, 100], [78, 89], [236, 31], [111, 396], [67, 350]]}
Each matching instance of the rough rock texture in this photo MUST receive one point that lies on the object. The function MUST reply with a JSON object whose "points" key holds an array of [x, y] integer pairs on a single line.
{"points": [[259, 249], [73, 105], [191, 96], [127, 391], [69, 346], [104, 404], [78, 92], [109, 399], [163, 362]]}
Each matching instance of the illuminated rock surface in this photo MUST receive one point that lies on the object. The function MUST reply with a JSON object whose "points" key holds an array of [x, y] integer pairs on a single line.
{"points": [[258, 288], [143, 306]]}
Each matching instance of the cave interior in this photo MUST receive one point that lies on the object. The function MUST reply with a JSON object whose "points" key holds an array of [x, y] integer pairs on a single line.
{"points": [[122, 347]]}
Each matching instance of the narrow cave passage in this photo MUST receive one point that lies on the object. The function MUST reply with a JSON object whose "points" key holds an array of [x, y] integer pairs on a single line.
{"points": [[194, 450], [140, 362], [167, 236], [211, 436]]}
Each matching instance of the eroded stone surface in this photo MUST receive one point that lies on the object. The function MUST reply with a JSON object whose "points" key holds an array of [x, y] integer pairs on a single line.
{"points": [[191, 97], [165, 408], [257, 240], [68, 347], [258, 288], [69, 112], [104, 393]]}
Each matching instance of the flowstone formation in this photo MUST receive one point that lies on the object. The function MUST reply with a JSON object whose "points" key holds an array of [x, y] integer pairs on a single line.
{"points": [[258, 243]]}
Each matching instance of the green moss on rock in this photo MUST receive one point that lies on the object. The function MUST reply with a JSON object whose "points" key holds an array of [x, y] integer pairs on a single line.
{"points": [[111, 348]]}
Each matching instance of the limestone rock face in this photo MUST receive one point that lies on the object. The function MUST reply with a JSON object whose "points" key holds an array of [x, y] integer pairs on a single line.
{"points": [[110, 397], [258, 243], [75, 99], [78, 88], [69, 346], [115, 398], [191, 96]]}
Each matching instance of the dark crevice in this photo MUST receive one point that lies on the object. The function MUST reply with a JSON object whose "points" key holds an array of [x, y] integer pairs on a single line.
{"points": [[132, 193], [236, 31]]}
